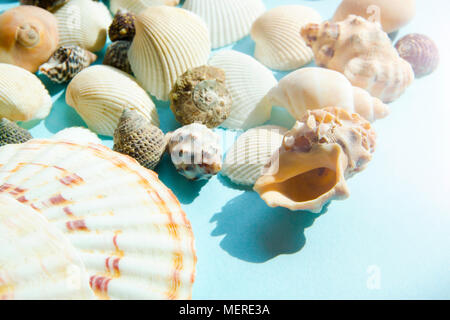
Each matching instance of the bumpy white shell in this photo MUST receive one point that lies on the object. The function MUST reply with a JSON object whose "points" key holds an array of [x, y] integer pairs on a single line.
{"points": [[227, 20], [137, 6], [83, 23], [100, 94], [128, 228], [23, 97], [248, 82], [245, 160], [276, 34], [168, 42], [36, 260]]}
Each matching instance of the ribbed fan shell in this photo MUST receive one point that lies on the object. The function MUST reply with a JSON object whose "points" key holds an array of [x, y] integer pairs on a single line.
{"points": [[137, 6]]}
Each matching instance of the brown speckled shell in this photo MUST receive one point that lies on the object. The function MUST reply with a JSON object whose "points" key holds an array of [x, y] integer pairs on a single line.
{"points": [[117, 56], [50, 5], [11, 133], [122, 26]]}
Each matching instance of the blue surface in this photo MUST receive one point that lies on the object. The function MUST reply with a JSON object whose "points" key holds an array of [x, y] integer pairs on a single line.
{"points": [[390, 239]]}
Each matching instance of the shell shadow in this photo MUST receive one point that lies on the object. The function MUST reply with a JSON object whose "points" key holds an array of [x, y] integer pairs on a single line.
{"points": [[257, 233]]}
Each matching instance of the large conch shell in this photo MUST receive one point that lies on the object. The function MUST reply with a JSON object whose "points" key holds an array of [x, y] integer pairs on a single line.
{"points": [[83, 23], [317, 88], [228, 20], [392, 14], [168, 42], [317, 156], [100, 94], [275, 33], [128, 227], [36, 260], [363, 53], [23, 96], [28, 36], [136, 6]]}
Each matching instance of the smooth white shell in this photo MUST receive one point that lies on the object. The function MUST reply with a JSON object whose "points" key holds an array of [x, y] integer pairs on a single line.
{"points": [[100, 93], [227, 20], [23, 96], [248, 82], [137, 6], [168, 42], [78, 135], [279, 45], [36, 260]]}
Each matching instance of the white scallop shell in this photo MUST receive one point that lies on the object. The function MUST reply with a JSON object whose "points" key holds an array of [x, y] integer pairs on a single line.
{"points": [[276, 33], [100, 93], [245, 160], [127, 226], [36, 260], [168, 42], [137, 6], [248, 82], [228, 20], [83, 23], [23, 96]]}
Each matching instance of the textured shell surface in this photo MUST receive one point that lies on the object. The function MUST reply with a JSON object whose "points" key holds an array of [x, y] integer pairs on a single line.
{"points": [[201, 95], [137, 6], [66, 62], [116, 56], [11, 133], [136, 137], [100, 93], [83, 23], [245, 160], [420, 51], [227, 20], [49, 5], [248, 81], [36, 260], [195, 151], [129, 229], [122, 26], [275, 33], [168, 42], [23, 96], [363, 53], [79, 135], [317, 155]]}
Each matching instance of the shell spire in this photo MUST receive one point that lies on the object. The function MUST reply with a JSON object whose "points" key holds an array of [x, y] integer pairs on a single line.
{"points": [[11, 133]]}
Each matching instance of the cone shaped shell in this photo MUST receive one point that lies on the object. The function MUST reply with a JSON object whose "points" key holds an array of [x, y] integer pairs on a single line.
{"points": [[245, 160], [227, 20], [36, 260], [276, 34], [128, 228], [248, 81], [100, 94], [168, 42], [137, 6]]}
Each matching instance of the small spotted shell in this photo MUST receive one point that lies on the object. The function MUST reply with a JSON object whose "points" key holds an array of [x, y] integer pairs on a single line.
{"points": [[117, 56]]}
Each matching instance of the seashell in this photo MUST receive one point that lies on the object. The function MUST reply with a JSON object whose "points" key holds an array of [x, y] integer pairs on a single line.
{"points": [[245, 160], [117, 56], [318, 154], [77, 135], [420, 51], [100, 94], [29, 36], [66, 62], [139, 139], [23, 97], [363, 53], [275, 33], [128, 227], [200, 95], [83, 23], [49, 5], [195, 151], [248, 81], [391, 14], [122, 26], [11, 133], [168, 42], [36, 260], [317, 88], [136, 6], [227, 20]]}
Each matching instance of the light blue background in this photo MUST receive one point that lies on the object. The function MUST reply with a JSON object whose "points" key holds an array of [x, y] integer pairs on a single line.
{"points": [[396, 224]]}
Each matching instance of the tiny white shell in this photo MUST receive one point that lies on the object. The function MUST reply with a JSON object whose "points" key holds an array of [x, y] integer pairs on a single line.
{"points": [[227, 20], [100, 94], [248, 81], [137, 6]]}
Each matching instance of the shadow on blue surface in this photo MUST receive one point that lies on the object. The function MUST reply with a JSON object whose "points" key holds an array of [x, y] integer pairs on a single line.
{"points": [[257, 233]]}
